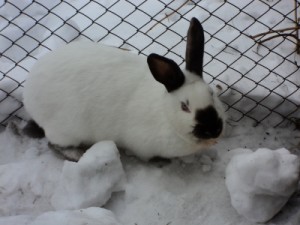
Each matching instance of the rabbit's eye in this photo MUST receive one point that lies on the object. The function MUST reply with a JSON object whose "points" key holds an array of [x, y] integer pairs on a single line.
{"points": [[185, 106]]}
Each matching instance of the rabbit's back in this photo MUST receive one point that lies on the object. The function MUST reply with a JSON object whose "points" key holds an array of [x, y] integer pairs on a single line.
{"points": [[85, 92]]}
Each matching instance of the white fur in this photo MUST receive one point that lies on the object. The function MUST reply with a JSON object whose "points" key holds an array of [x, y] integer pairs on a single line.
{"points": [[86, 92]]}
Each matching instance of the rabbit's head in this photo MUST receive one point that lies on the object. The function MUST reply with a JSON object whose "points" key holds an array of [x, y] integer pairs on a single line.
{"points": [[193, 109]]}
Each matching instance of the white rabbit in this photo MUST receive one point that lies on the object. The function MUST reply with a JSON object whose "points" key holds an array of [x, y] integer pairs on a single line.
{"points": [[85, 92]]}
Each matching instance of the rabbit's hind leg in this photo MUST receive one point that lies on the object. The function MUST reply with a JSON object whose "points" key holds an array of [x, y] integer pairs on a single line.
{"points": [[33, 130], [70, 153]]}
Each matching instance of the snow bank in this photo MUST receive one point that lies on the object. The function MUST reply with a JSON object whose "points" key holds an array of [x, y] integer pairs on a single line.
{"points": [[91, 216], [187, 191], [261, 182], [92, 180]]}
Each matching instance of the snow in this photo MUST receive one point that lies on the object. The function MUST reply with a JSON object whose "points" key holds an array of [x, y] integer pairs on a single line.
{"points": [[91, 216], [92, 180], [189, 190], [183, 191], [261, 182]]}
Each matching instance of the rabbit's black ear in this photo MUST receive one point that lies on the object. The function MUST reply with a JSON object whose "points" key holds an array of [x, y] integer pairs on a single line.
{"points": [[195, 47], [166, 71]]}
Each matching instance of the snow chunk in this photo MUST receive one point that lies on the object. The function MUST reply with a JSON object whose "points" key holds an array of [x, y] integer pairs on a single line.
{"points": [[91, 181], [261, 182], [91, 216], [13, 220]]}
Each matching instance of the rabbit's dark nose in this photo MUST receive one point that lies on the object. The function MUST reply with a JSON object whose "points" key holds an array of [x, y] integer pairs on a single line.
{"points": [[208, 123], [208, 132]]}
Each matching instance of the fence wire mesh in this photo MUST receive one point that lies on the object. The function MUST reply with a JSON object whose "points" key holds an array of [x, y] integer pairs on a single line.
{"points": [[251, 46]]}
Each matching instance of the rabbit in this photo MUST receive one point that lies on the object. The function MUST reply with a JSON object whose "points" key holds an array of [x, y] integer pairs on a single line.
{"points": [[86, 92]]}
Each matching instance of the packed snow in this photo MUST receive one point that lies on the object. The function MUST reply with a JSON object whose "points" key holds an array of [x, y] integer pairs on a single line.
{"points": [[261, 182], [91, 216], [39, 187], [189, 190], [92, 180]]}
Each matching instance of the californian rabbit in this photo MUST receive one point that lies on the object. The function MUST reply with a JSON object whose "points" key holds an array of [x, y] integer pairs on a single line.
{"points": [[85, 92]]}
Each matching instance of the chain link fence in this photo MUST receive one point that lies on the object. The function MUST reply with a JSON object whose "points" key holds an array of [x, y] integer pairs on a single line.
{"points": [[250, 53]]}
